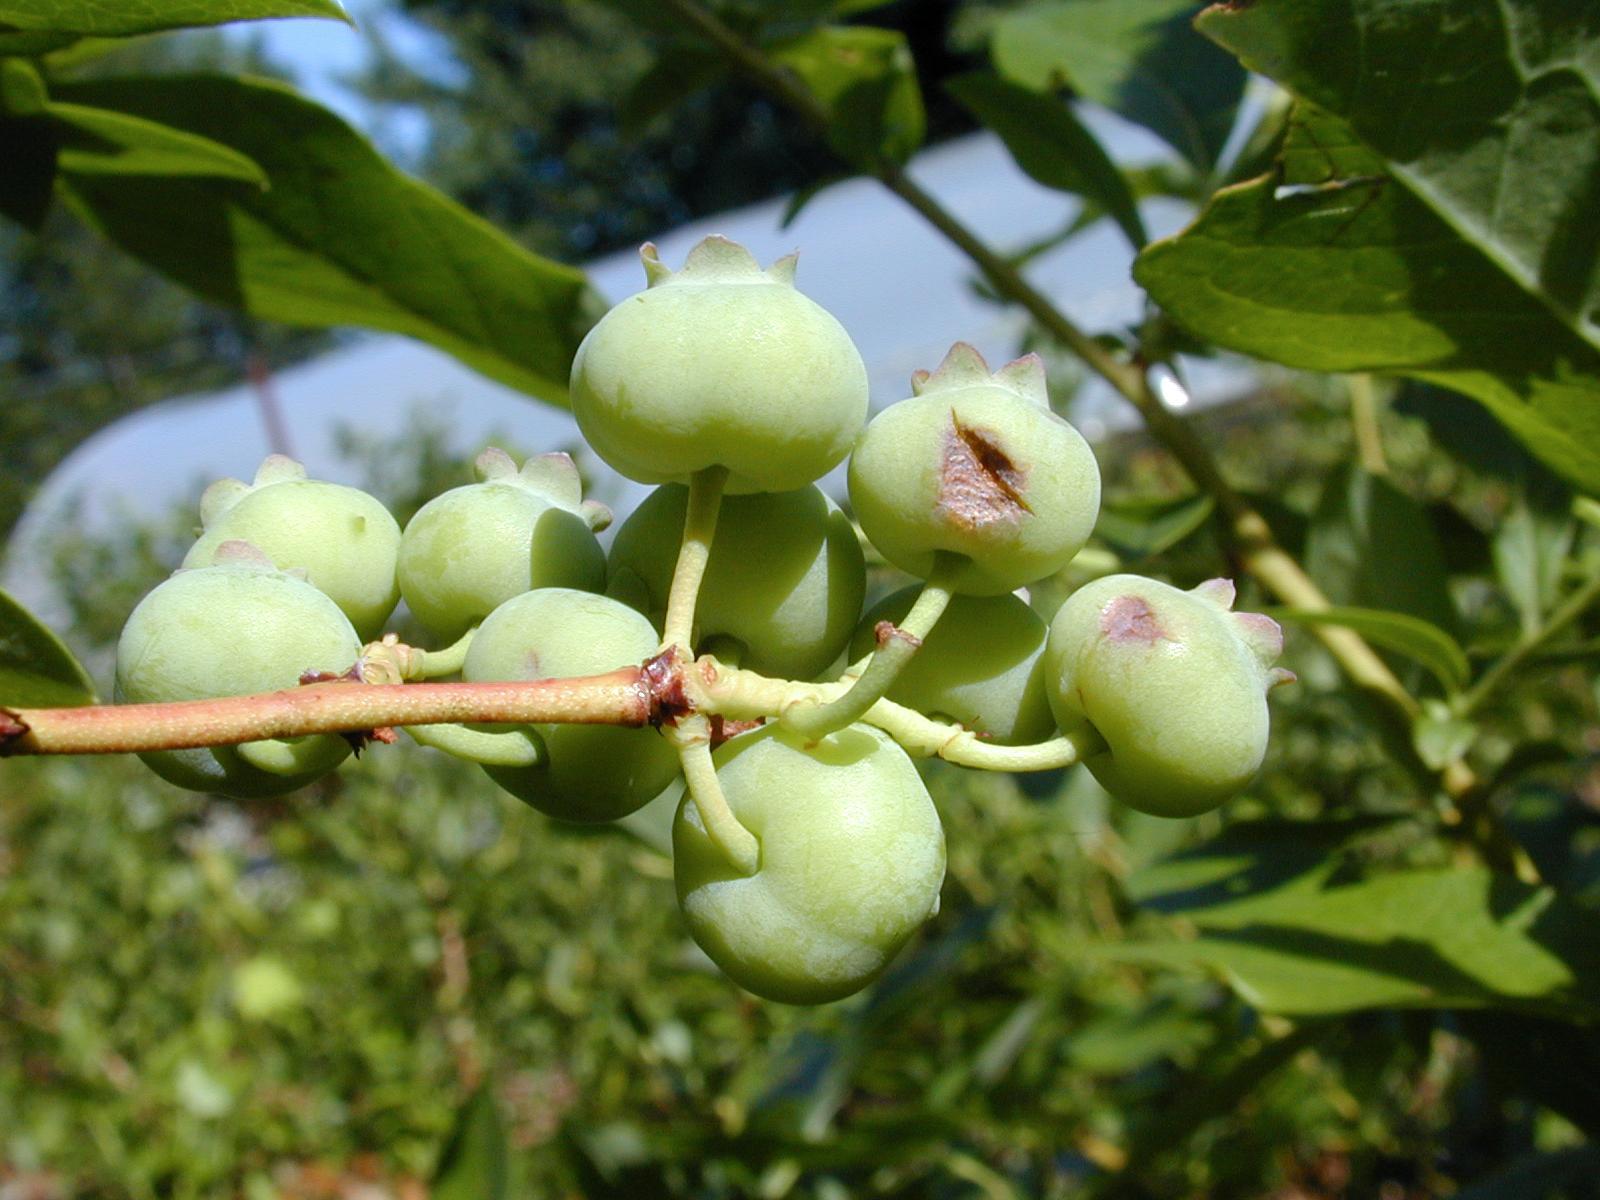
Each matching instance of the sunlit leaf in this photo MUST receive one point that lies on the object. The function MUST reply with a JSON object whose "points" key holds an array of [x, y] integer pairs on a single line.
{"points": [[339, 238], [1461, 938], [94, 17]]}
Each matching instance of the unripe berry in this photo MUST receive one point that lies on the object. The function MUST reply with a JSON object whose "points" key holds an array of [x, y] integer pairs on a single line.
{"points": [[588, 772], [1173, 681], [342, 538], [784, 582], [975, 466], [852, 859], [468, 551], [981, 667], [234, 628], [720, 364]]}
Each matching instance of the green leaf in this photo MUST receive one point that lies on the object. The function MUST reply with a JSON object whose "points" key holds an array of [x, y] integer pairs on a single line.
{"points": [[1141, 528], [1487, 113], [36, 670], [1372, 546], [1140, 58], [99, 141], [473, 1164], [1355, 274], [1247, 860], [1530, 545], [28, 45], [1462, 938], [1048, 141], [1440, 737], [867, 82], [339, 238], [1420, 641], [95, 17]]}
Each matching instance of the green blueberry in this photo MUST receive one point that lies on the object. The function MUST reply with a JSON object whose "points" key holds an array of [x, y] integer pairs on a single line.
{"points": [[783, 586], [852, 859], [1173, 681], [975, 467], [236, 627], [981, 667], [588, 772], [342, 538], [720, 364], [471, 549]]}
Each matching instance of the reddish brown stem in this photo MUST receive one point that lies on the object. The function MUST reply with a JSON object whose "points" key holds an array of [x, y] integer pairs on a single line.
{"points": [[622, 697]]}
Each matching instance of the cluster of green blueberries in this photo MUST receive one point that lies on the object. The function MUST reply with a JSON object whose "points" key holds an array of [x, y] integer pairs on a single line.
{"points": [[728, 388]]}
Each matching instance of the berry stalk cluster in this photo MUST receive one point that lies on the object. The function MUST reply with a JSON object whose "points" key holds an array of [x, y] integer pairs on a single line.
{"points": [[721, 647]]}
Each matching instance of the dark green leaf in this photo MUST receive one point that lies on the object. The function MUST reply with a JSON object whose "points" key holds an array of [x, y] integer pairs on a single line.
{"points": [[1048, 141], [1137, 529], [680, 70], [866, 81], [473, 1164], [1552, 1063], [1462, 938], [340, 237], [94, 17], [1536, 1176], [1140, 58], [36, 670], [1419, 640], [99, 141], [28, 146], [1355, 274], [32, 44], [1372, 546], [1487, 113]]}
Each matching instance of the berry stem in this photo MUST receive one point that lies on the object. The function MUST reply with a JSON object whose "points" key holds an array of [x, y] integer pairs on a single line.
{"points": [[432, 664], [699, 526], [619, 697], [896, 646], [506, 748], [738, 845]]}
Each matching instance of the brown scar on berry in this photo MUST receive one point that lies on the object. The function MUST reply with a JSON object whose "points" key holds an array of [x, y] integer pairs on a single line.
{"points": [[1131, 619], [979, 484]]}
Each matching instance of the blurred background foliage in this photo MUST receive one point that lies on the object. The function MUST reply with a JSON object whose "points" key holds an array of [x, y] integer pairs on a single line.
{"points": [[400, 983]]}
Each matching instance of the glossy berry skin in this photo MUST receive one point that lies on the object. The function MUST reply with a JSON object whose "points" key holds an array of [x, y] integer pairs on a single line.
{"points": [[981, 667], [589, 773], [783, 586], [471, 549], [720, 364], [1175, 683], [976, 466], [343, 539], [233, 629], [852, 859]]}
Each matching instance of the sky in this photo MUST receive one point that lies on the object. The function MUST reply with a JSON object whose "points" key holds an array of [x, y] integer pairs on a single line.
{"points": [[902, 291]]}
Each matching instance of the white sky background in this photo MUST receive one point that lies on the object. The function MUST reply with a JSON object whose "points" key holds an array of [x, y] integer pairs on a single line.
{"points": [[900, 289]]}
